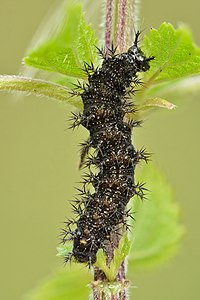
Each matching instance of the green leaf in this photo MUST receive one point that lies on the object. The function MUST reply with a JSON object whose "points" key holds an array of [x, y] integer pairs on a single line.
{"points": [[157, 229], [41, 88], [71, 44], [119, 255], [175, 53], [70, 283], [178, 90], [64, 249], [156, 103]]}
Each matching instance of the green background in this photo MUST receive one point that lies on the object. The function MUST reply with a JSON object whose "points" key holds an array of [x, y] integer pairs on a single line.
{"points": [[39, 159]]}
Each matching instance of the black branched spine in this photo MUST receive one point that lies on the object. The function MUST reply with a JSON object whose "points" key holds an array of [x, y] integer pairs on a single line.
{"points": [[105, 99]]}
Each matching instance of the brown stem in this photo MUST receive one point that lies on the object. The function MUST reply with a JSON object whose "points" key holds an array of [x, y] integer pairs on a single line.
{"points": [[121, 23], [108, 23], [122, 13]]}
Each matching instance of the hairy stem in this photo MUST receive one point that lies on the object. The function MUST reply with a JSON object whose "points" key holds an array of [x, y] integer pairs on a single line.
{"points": [[122, 14], [105, 289], [121, 23], [131, 22], [108, 23]]}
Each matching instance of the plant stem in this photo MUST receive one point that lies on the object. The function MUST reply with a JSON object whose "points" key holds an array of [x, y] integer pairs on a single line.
{"points": [[122, 14], [104, 290], [131, 22], [108, 23], [121, 23], [107, 290]]}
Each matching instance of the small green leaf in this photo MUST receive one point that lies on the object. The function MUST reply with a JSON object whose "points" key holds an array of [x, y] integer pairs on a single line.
{"points": [[64, 249], [157, 229], [156, 103], [101, 261], [175, 53], [70, 283], [72, 44], [119, 256]]}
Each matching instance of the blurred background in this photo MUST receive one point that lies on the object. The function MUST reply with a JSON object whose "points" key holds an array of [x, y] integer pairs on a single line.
{"points": [[39, 159]]}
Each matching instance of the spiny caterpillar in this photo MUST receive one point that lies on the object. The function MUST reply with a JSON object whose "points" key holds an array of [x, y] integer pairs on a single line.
{"points": [[105, 100]]}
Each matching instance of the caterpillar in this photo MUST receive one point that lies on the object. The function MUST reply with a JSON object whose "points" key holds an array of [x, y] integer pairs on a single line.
{"points": [[106, 102]]}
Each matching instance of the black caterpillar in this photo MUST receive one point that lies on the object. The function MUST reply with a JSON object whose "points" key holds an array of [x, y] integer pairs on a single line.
{"points": [[105, 100]]}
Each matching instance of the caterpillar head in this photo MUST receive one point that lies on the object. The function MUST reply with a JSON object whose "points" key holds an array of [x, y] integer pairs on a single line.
{"points": [[141, 61]]}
